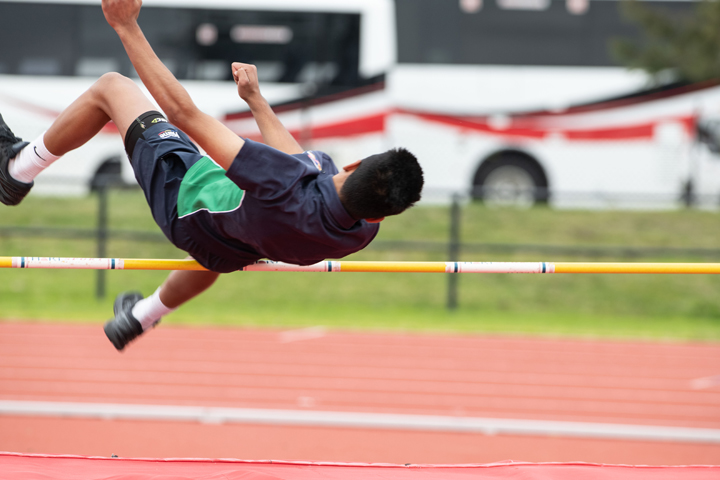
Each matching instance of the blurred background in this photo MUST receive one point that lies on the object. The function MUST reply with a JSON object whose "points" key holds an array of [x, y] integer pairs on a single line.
{"points": [[548, 130]]}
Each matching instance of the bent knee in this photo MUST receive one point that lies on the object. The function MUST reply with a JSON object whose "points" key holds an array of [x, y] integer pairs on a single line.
{"points": [[110, 85], [115, 93], [111, 81]]}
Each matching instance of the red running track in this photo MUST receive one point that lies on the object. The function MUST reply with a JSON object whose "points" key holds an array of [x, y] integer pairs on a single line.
{"points": [[463, 376]]}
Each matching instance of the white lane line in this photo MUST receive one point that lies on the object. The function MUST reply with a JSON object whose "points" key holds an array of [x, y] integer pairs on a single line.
{"points": [[705, 382], [300, 334], [487, 426]]}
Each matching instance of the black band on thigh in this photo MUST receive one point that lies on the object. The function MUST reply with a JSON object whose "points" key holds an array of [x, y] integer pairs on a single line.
{"points": [[137, 128]]}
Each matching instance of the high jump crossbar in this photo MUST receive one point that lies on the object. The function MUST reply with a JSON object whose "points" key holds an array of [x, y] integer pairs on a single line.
{"points": [[355, 266]]}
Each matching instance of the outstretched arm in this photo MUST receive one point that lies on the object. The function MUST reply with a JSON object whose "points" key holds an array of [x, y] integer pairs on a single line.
{"points": [[273, 131], [214, 137]]}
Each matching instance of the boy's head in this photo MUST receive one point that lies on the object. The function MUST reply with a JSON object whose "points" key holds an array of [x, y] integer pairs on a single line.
{"points": [[383, 184]]}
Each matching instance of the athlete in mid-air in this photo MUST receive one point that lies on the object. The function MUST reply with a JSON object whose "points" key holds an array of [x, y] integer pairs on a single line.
{"points": [[242, 201]]}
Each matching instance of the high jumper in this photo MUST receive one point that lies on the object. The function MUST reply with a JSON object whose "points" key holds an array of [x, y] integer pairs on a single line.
{"points": [[241, 202]]}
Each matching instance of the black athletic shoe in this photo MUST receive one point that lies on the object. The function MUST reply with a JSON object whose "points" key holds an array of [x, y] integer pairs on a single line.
{"points": [[11, 191], [124, 328]]}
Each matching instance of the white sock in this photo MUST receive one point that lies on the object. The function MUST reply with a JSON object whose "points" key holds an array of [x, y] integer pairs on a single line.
{"points": [[31, 160], [150, 310]]}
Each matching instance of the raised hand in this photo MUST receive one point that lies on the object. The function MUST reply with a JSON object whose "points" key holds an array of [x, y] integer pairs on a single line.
{"points": [[245, 75], [120, 13]]}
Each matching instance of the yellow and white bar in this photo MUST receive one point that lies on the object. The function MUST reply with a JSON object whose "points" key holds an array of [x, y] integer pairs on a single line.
{"points": [[354, 266], [98, 263]]}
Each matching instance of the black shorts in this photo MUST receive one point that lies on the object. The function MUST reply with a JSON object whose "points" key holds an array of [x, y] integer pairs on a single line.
{"points": [[160, 155]]}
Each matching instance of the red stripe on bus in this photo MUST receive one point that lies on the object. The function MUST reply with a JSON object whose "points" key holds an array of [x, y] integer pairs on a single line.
{"points": [[635, 132], [629, 132], [468, 124], [312, 102], [357, 126]]}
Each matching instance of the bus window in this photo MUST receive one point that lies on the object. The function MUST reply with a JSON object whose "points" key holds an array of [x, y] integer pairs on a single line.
{"points": [[194, 43]]}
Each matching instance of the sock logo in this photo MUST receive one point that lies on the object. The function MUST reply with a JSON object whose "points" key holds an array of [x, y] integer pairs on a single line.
{"points": [[38, 155], [158, 120]]}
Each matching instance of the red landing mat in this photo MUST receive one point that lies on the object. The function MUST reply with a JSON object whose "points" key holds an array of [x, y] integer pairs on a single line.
{"points": [[15, 466]]}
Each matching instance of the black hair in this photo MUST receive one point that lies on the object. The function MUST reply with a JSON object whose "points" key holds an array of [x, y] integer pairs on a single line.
{"points": [[383, 184]]}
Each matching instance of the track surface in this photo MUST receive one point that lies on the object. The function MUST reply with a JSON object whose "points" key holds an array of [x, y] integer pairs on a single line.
{"points": [[580, 381]]}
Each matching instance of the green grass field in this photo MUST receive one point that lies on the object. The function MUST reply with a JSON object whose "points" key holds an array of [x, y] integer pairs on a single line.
{"points": [[673, 307]]}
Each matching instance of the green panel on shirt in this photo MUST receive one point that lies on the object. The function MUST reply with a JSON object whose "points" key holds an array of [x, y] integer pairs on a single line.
{"points": [[205, 187]]}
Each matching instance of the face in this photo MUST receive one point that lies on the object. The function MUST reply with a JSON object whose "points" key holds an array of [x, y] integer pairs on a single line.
{"points": [[340, 178]]}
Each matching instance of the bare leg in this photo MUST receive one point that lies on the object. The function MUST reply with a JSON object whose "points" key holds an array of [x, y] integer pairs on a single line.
{"points": [[112, 97], [182, 285], [117, 98]]}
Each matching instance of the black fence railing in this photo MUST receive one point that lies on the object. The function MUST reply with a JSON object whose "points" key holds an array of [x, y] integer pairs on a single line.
{"points": [[453, 247]]}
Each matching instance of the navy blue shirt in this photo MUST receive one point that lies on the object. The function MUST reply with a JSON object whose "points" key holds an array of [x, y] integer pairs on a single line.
{"points": [[267, 205]]}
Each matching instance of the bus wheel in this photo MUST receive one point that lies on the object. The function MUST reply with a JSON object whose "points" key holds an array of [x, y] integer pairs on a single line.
{"points": [[510, 179], [108, 174]]}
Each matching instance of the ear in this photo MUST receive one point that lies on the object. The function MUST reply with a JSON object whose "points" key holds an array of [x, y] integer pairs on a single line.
{"points": [[352, 166], [374, 220]]}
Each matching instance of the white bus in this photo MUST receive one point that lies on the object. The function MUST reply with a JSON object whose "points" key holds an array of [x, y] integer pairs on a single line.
{"points": [[52, 50], [525, 101]]}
